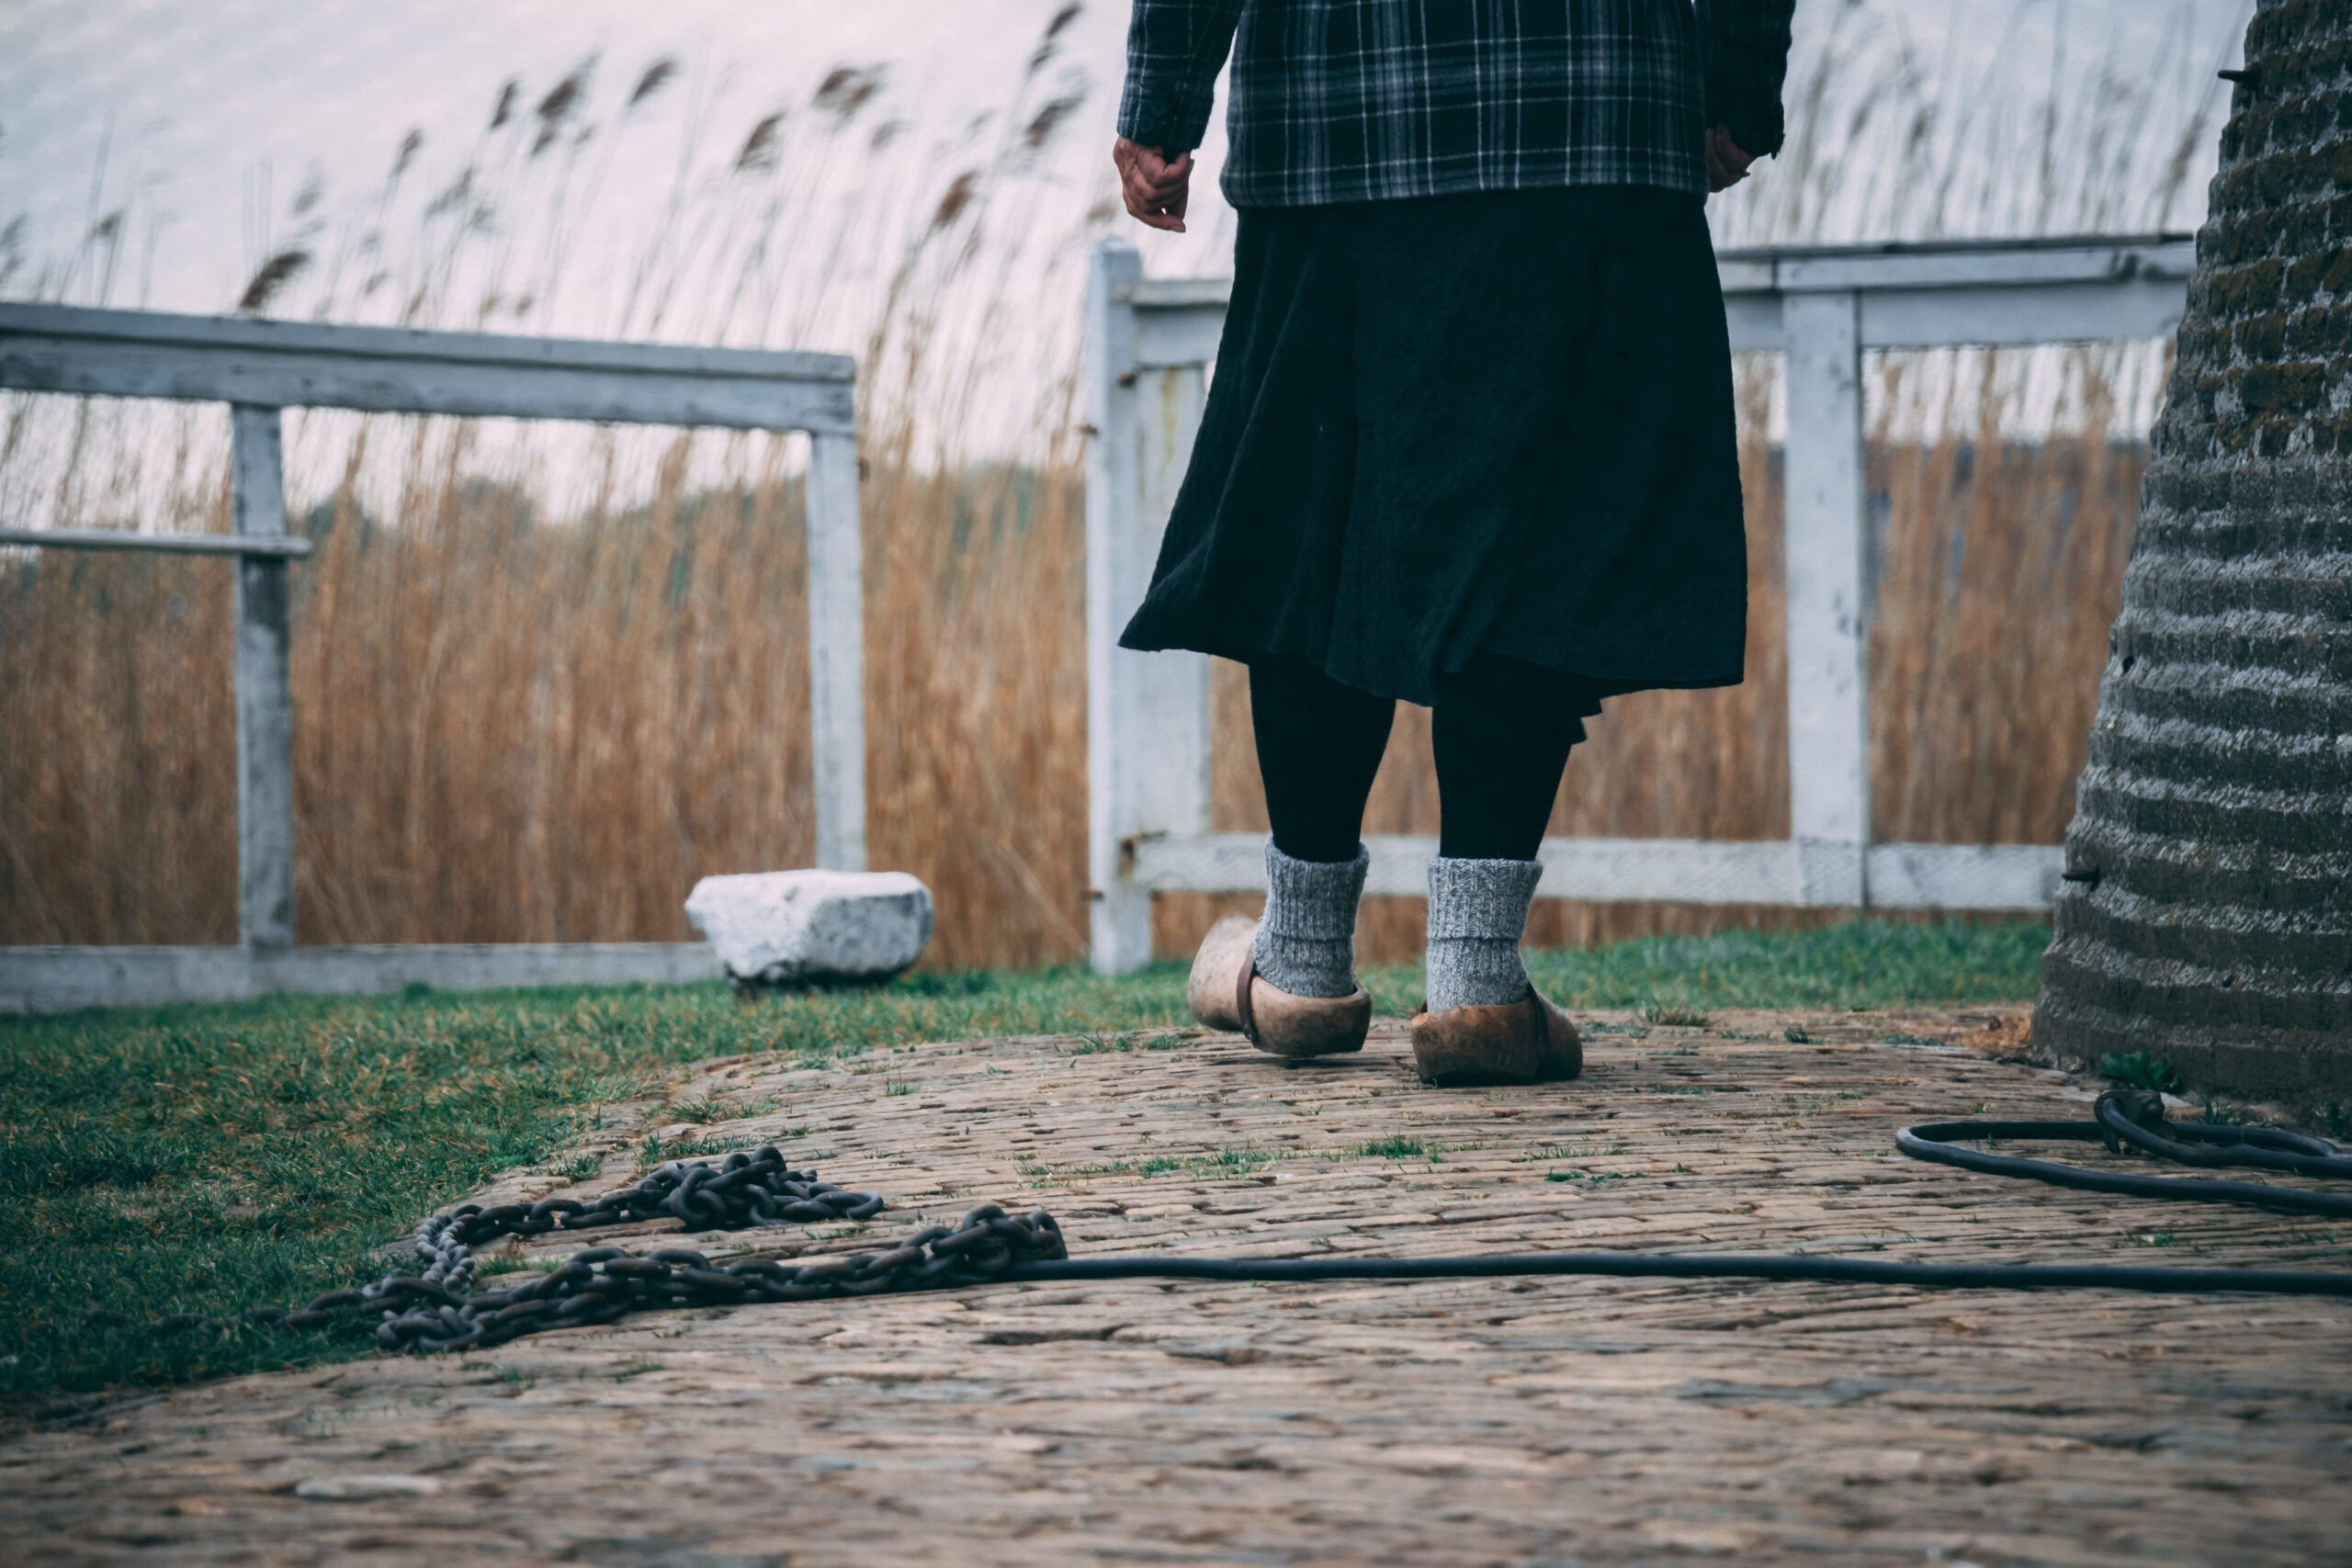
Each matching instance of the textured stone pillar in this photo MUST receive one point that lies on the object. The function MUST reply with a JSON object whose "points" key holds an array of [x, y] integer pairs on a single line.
{"points": [[2208, 914]]}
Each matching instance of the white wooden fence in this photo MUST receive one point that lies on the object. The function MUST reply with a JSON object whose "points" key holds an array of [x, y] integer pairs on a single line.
{"points": [[262, 368], [1150, 344]]}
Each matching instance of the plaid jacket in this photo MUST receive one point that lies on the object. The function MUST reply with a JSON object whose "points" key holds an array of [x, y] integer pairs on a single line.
{"points": [[1356, 100]]}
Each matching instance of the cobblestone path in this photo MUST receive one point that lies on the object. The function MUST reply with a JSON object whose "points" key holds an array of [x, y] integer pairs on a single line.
{"points": [[1568, 1421]]}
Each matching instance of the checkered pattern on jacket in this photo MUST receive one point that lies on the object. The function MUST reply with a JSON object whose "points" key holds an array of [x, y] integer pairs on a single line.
{"points": [[1356, 100]]}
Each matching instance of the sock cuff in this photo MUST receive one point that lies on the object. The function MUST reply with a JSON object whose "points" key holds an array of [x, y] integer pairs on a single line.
{"points": [[1481, 900], [1313, 899]]}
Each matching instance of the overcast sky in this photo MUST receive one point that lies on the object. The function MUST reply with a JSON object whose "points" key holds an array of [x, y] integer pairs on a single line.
{"points": [[199, 107], [225, 131]]}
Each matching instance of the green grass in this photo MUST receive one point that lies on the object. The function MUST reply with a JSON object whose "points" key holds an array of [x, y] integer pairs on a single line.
{"points": [[1216, 1164], [1856, 964], [211, 1158], [1393, 1146], [2139, 1070]]}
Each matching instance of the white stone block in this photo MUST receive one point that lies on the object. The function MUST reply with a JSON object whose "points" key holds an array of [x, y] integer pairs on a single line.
{"points": [[791, 927]]}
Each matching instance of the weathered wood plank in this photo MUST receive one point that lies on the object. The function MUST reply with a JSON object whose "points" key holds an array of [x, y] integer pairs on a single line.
{"points": [[64, 979], [164, 328], [1185, 336], [265, 684], [2129, 309], [1752, 323], [1175, 293], [1116, 572], [176, 543], [1147, 715], [1171, 690], [140, 354], [1603, 870], [1828, 570], [1964, 876], [1914, 295], [837, 650], [2020, 877], [1987, 263]]}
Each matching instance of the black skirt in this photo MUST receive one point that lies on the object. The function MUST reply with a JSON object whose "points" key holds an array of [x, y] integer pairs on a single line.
{"points": [[1495, 426]]}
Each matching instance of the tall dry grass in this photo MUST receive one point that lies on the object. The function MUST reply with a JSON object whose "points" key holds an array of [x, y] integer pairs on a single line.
{"points": [[543, 681]]}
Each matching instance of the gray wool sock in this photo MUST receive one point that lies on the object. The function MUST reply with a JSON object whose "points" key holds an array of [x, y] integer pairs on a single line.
{"points": [[1307, 942], [1477, 913]]}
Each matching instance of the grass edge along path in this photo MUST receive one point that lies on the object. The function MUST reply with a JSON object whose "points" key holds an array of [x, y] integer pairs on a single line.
{"points": [[212, 1159]]}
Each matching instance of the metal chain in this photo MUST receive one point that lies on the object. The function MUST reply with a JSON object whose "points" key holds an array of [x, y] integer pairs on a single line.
{"points": [[437, 1308]]}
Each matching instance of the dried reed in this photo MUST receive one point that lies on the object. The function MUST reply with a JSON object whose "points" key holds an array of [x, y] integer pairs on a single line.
{"points": [[517, 727]]}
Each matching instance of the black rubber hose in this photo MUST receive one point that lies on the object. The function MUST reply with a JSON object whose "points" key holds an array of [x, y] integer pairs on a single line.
{"points": [[1935, 1141], [2133, 1120], [2120, 1117], [1699, 1265]]}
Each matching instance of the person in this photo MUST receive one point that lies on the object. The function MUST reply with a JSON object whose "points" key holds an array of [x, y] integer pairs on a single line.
{"points": [[1469, 444]]}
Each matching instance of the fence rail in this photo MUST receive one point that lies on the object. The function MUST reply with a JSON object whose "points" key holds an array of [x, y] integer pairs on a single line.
{"points": [[259, 369], [155, 543], [1150, 345]]}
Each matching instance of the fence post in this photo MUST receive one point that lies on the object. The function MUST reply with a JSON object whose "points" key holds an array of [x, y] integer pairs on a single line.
{"points": [[1147, 715], [264, 685], [1827, 551], [836, 650]]}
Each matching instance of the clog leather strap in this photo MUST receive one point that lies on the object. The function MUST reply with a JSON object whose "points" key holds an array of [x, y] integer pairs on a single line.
{"points": [[1242, 994]]}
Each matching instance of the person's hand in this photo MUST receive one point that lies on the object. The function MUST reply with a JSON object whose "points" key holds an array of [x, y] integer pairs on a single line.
{"points": [[1153, 190], [1727, 164]]}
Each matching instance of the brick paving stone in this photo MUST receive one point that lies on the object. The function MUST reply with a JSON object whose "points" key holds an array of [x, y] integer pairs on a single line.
{"points": [[1443, 1422]]}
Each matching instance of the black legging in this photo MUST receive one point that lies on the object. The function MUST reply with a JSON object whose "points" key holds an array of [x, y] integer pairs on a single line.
{"points": [[1502, 733]]}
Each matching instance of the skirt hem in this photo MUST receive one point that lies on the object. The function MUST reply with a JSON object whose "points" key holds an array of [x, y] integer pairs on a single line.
{"points": [[1420, 694]]}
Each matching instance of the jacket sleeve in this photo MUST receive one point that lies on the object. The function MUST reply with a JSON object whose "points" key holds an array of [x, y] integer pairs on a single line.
{"points": [[1746, 45], [1175, 47]]}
